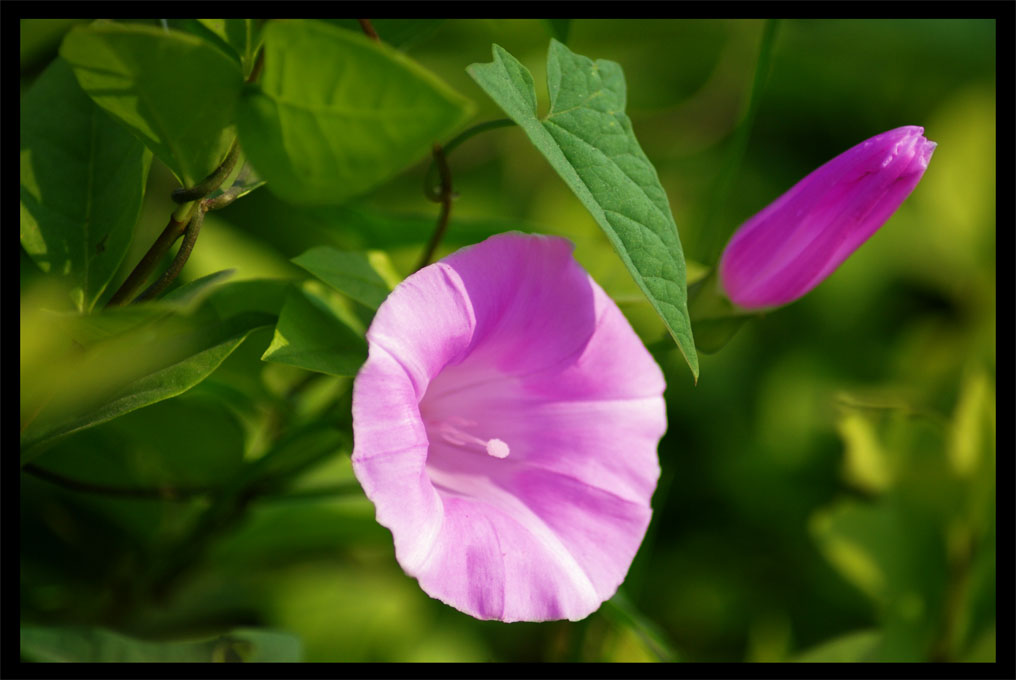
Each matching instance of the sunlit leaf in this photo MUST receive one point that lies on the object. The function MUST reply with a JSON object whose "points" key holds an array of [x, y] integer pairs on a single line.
{"points": [[82, 182], [367, 277], [588, 139], [173, 90], [310, 335], [335, 113]]}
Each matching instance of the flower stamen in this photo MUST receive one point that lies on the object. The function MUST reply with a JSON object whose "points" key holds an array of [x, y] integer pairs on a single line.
{"points": [[451, 431]]}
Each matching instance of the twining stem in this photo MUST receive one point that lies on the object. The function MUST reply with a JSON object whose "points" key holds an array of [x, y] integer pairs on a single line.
{"points": [[230, 194], [441, 192], [444, 196], [430, 187], [213, 181], [189, 238], [178, 224], [710, 241], [368, 30], [144, 268]]}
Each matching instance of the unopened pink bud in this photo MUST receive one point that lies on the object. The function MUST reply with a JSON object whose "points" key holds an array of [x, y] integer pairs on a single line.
{"points": [[798, 240]]}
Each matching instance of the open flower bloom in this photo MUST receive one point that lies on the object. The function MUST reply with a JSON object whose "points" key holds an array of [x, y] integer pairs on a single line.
{"points": [[803, 236], [506, 424]]}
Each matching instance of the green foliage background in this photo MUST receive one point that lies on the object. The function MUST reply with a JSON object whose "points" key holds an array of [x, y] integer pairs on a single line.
{"points": [[828, 488]]}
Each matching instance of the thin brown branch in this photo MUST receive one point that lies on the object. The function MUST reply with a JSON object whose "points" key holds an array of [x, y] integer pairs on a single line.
{"points": [[368, 30], [213, 181], [182, 255], [146, 266], [444, 196]]}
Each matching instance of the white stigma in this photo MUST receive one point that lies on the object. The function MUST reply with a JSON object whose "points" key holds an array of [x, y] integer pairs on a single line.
{"points": [[452, 431], [497, 448]]}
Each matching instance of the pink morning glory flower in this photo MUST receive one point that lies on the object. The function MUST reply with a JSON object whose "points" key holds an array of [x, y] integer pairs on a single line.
{"points": [[803, 236], [506, 424]]}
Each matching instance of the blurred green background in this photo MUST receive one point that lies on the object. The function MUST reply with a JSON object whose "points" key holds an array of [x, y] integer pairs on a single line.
{"points": [[828, 487]]}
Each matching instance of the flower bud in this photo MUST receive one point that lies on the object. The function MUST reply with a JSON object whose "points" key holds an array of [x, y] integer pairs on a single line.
{"points": [[792, 245]]}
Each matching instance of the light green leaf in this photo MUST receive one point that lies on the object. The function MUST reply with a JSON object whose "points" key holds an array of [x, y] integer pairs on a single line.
{"points": [[336, 113], [844, 649], [311, 336], [367, 277], [82, 183], [80, 644], [152, 360], [588, 139], [172, 89]]}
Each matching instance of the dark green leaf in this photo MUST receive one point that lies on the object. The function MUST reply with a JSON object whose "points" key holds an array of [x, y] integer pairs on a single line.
{"points": [[82, 183], [588, 139], [40, 39], [79, 644], [188, 441], [355, 274], [310, 335], [336, 114], [172, 89]]}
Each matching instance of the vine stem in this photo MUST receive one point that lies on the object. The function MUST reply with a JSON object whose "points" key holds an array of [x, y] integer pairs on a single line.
{"points": [[146, 266], [180, 223], [445, 198], [368, 30], [189, 239], [442, 192], [432, 192]]}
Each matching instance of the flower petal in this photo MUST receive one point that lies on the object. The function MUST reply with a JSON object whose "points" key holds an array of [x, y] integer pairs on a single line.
{"points": [[506, 425]]}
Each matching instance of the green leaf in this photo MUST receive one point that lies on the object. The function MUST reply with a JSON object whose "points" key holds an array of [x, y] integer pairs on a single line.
{"points": [[311, 336], [40, 39], [844, 649], [242, 35], [79, 644], [588, 139], [337, 114], [366, 277], [172, 89], [82, 184], [150, 362]]}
